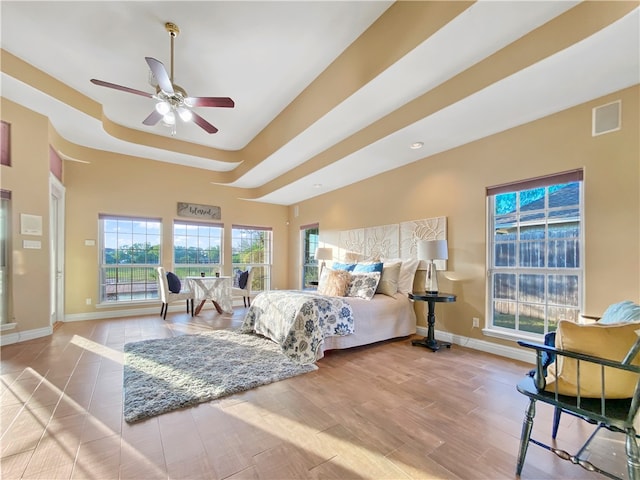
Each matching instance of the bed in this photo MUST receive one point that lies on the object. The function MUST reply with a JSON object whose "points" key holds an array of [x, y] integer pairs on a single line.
{"points": [[306, 323]]}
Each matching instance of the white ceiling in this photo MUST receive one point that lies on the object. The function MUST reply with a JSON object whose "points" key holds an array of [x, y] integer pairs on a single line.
{"points": [[264, 54]]}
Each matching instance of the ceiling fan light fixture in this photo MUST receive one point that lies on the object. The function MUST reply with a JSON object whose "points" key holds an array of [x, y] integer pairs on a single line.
{"points": [[169, 118], [171, 99], [185, 114], [163, 107]]}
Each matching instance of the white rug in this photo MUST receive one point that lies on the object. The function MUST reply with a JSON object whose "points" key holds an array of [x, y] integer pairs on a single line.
{"points": [[170, 373]]}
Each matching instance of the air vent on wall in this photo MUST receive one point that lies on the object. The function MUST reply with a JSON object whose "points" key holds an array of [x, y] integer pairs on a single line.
{"points": [[606, 118]]}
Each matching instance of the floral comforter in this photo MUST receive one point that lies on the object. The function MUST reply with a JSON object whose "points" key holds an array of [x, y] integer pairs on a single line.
{"points": [[299, 321]]}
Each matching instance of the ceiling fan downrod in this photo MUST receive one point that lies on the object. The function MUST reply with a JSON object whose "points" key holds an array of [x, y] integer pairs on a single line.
{"points": [[174, 31]]}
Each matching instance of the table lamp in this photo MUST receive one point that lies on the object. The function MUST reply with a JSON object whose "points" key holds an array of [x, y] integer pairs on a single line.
{"points": [[323, 254], [431, 250]]}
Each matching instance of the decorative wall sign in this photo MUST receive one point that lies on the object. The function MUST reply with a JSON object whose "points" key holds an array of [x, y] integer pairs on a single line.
{"points": [[391, 241], [193, 210]]}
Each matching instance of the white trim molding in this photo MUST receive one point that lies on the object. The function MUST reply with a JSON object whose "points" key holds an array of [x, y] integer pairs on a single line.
{"points": [[515, 352], [16, 337]]}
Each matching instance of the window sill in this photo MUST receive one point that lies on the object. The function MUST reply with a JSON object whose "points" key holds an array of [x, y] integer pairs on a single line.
{"points": [[133, 303], [515, 336]]}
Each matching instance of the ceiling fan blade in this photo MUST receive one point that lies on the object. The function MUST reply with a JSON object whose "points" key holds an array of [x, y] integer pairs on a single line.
{"points": [[202, 123], [158, 70], [120, 87], [153, 118], [209, 102]]}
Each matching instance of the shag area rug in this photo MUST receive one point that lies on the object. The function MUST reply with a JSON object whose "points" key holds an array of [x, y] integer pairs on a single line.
{"points": [[170, 373]]}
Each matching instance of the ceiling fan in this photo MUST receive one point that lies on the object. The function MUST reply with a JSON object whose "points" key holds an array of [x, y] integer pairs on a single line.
{"points": [[172, 99]]}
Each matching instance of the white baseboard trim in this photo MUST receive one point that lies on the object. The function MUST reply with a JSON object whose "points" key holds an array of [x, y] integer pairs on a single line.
{"points": [[26, 335], [515, 353], [130, 312]]}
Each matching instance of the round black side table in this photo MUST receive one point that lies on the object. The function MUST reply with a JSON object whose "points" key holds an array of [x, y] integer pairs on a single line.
{"points": [[431, 298]]}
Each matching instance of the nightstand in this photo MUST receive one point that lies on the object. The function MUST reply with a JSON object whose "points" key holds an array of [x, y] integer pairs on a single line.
{"points": [[431, 298]]}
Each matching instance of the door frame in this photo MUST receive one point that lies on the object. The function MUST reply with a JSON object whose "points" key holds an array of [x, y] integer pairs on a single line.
{"points": [[56, 227]]}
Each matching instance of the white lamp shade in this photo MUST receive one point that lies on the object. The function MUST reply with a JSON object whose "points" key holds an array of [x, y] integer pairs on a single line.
{"points": [[324, 253], [433, 250]]}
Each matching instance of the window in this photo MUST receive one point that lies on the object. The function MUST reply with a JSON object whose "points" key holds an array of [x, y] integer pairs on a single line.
{"points": [[5, 235], [309, 241], [197, 248], [129, 256], [252, 246], [5, 143], [535, 248]]}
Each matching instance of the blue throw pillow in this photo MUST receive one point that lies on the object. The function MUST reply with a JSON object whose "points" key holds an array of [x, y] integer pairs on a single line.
{"points": [[242, 281], [343, 266], [368, 267], [625, 311], [174, 282]]}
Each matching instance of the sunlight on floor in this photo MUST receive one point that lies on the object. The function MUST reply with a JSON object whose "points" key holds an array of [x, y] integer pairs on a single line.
{"points": [[332, 445], [63, 434], [101, 350]]}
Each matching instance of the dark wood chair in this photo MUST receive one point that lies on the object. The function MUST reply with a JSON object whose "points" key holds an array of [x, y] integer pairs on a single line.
{"points": [[614, 414]]}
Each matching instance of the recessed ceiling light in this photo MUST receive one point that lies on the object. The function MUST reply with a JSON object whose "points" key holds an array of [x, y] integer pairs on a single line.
{"points": [[416, 145], [317, 185]]}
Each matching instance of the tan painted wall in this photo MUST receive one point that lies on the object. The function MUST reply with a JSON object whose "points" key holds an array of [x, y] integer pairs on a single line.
{"points": [[118, 185], [453, 184], [28, 181]]}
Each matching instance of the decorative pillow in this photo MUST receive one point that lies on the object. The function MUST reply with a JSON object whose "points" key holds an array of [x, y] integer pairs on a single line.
{"points": [[626, 311], [334, 283], [236, 279], [367, 267], [388, 284], [343, 266], [407, 272], [242, 280], [363, 285], [605, 341], [174, 282]]}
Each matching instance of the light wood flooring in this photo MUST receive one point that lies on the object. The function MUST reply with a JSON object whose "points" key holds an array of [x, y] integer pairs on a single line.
{"points": [[386, 411]]}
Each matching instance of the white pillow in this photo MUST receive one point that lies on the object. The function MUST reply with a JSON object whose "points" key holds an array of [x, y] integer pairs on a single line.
{"points": [[388, 284], [407, 272]]}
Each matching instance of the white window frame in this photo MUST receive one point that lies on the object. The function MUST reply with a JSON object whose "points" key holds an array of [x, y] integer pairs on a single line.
{"points": [[196, 235], [149, 283], [518, 302], [261, 267]]}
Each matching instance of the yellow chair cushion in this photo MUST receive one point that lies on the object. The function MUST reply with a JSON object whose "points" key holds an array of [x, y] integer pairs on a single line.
{"points": [[606, 341]]}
